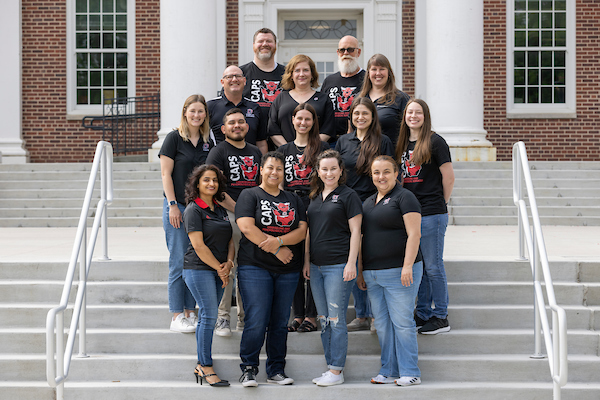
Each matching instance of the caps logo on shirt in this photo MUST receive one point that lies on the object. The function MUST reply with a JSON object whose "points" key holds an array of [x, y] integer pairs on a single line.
{"points": [[242, 166], [344, 100], [249, 113], [284, 214], [205, 147], [300, 170], [270, 90], [334, 198], [386, 201], [408, 167]]}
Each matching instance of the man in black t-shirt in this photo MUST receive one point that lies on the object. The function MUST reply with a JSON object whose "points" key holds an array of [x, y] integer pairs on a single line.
{"points": [[240, 163], [343, 86], [234, 82]]}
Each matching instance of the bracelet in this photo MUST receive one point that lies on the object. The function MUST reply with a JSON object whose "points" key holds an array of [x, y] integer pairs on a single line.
{"points": [[280, 241], [277, 251]]}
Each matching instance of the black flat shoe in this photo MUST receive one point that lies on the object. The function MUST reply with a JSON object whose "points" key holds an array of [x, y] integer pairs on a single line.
{"points": [[307, 326], [293, 327], [200, 375]]}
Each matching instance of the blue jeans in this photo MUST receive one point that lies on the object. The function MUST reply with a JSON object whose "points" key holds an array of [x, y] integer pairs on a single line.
{"points": [[393, 306], [434, 286], [362, 306], [267, 299], [331, 296], [180, 296], [206, 289]]}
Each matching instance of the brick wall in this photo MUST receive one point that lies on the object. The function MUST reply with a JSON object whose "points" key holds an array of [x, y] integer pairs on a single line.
{"points": [[408, 47], [546, 139], [233, 33], [48, 135]]}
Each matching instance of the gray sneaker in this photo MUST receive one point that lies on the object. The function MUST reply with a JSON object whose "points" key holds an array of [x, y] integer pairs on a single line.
{"points": [[358, 325], [280, 379], [222, 327]]}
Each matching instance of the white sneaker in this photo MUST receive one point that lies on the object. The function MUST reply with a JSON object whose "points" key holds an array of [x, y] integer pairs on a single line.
{"points": [[382, 379], [181, 324], [408, 380], [317, 379], [222, 327], [192, 319], [330, 379]]}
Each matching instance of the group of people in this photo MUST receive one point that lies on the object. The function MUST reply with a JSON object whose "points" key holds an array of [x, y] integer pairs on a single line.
{"points": [[304, 197]]}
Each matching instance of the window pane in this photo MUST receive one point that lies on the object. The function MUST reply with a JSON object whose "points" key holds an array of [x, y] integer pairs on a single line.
{"points": [[533, 20], [95, 60], [109, 94], [82, 60], [519, 76], [109, 78], [82, 78], [121, 92], [121, 22], [546, 95], [520, 5], [107, 23], [94, 5], [121, 78], [107, 6], [81, 22], [121, 40], [94, 22], [95, 96], [519, 59], [81, 40], [546, 38], [82, 96], [546, 20], [560, 4], [559, 76], [94, 40], [559, 95], [81, 6], [121, 5], [108, 60], [95, 78], [546, 77], [519, 95], [520, 39], [560, 20], [533, 77], [534, 5], [560, 38], [559, 59], [108, 41], [546, 58], [532, 95], [547, 5], [533, 39], [520, 20], [121, 60], [532, 58]]}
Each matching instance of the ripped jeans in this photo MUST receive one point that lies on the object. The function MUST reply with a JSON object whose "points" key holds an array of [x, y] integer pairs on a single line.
{"points": [[331, 296]]}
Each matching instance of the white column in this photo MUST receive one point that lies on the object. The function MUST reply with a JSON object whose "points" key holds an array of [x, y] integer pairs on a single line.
{"points": [[11, 142], [386, 33], [189, 30], [454, 76], [251, 17]]}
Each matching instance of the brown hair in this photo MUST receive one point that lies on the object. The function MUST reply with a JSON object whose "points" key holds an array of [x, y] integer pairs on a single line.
{"points": [[387, 158], [313, 148], [183, 128], [316, 184], [191, 188], [422, 152], [264, 30], [391, 91], [370, 146], [286, 80]]}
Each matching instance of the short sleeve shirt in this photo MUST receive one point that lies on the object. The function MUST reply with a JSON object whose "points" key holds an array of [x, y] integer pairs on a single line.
{"points": [[216, 233], [390, 116], [186, 157], [348, 146], [262, 87], [384, 233], [296, 173], [328, 225], [257, 126], [240, 166], [275, 216], [425, 181], [342, 91]]}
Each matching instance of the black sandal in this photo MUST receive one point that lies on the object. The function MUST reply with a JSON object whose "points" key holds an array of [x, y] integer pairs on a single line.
{"points": [[293, 327], [307, 326]]}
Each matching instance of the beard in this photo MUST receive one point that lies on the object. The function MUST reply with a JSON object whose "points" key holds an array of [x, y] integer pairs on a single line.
{"points": [[348, 66], [262, 56]]}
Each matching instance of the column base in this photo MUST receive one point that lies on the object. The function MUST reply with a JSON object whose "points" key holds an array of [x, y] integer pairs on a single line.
{"points": [[464, 153]]}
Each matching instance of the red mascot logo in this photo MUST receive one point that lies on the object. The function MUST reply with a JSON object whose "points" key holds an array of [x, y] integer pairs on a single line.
{"points": [[284, 215], [301, 171], [345, 100], [249, 169], [271, 91]]}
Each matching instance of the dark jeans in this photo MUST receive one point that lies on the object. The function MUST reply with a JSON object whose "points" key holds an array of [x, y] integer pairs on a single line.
{"points": [[267, 298], [303, 305]]}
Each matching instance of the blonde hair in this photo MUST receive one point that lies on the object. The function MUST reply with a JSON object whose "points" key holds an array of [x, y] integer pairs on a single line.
{"points": [[422, 151], [183, 128], [286, 80]]}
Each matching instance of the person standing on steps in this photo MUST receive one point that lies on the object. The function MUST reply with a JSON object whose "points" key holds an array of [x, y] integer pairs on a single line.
{"points": [[424, 157]]}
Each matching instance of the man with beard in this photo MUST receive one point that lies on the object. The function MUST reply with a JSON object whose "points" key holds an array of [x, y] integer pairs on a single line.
{"points": [[240, 163], [263, 74], [343, 86], [233, 82]]}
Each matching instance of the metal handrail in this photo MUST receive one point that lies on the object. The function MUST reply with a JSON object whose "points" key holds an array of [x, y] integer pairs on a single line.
{"points": [[555, 339], [58, 358]]}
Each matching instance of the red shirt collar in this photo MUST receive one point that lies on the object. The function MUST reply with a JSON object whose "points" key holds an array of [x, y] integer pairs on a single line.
{"points": [[201, 202]]}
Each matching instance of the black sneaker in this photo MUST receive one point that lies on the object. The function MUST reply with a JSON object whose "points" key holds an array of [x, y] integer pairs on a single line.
{"points": [[434, 326], [419, 321], [248, 378], [280, 379]]}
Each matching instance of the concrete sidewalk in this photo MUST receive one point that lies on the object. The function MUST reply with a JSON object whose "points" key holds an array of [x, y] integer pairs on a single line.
{"points": [[581, 243]]}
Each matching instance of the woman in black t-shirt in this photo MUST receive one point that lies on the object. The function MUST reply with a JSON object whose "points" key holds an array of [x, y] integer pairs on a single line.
{"points": [[183, 149], [273, 226], [427, 171], [300, 158], [334, 218], [392, 272], [208, 260]]}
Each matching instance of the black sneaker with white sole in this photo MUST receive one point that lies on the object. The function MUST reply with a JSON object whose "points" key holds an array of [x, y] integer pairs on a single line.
{"points": [[280, 379], [248, 378], [419, 321], [434, 326]]}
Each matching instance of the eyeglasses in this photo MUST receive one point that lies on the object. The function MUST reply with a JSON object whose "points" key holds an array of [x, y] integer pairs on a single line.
{"points": [[348, 49], [230, 77]]}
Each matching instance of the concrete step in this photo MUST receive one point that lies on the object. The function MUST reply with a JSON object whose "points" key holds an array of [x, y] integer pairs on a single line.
{"points": [[78, 203], [73, 222], [566, 183], [544, 211], [80, 184], [58, 193], [507, 192], [42, 175], [508, 220], [536, 175], [35, 167], [112, 212], [508, 201]]}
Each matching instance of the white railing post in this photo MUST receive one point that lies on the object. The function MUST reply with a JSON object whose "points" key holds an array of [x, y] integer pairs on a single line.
{"points": [[60, 354], [103, 190], [537, 322], [82, 281]]}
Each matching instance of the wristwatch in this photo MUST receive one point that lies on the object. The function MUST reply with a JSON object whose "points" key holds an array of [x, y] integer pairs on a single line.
{"points": [[173, 203]]}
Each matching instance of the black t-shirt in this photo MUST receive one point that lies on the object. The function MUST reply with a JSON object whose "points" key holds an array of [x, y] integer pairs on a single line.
{"points": [[390, 117], [425, 181], [280, 115], [328, 225], [296, 174], [275, 216], [384, 233], [341, 92], [257, 126], [262, 87], [240, 166], [348, 146], [216, 233], [186, 156]]}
